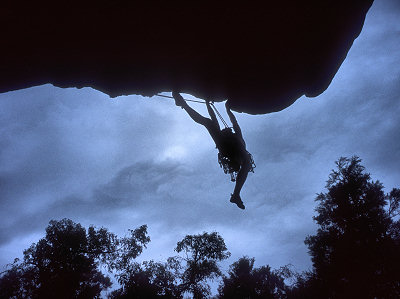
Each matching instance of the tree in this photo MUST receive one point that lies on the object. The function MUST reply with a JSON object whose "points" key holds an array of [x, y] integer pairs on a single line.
{"points": [[172, 279], [202, 254], [65, 264], [150, 280], [355, 250], [245, 281]]}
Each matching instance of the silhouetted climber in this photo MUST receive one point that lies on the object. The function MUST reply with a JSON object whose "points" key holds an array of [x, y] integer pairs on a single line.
{"points": [[233, 156]]}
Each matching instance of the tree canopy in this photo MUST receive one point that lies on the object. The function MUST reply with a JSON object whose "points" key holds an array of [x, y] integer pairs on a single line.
{"points": [[65, 263], [150, 280], [355, 250], [354, 254], [245, 281], [202, 254]]}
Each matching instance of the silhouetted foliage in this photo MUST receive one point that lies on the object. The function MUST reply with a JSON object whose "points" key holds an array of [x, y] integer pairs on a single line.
{"points": [[202, 254], [65, 263], [150, 280], [245, 281], [355, 250], [172, 279], [355, 254]]}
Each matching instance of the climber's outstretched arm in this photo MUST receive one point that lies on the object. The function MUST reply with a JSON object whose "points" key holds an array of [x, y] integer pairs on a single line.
{"points": [[233, 120], [197, 117]]}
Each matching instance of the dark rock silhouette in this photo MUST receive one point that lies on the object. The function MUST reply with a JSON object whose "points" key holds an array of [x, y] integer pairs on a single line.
{"points": [[261, 56]]}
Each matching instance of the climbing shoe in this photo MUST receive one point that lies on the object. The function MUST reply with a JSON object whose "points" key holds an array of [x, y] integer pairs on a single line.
{"points": [[238, 201]]}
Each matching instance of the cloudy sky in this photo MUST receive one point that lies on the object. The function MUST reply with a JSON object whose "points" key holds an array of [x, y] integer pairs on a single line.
{"points": [[124, 162]]}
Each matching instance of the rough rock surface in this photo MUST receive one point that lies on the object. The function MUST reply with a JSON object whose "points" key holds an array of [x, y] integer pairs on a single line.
{"points": [[261, 55]]}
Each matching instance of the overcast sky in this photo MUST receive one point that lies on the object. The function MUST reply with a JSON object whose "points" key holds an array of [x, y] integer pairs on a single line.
{"points": [[124, 162]]}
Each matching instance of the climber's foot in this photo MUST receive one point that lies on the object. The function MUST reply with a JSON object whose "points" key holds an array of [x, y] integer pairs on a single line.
{"points": [[179, 101], [238, 201]]}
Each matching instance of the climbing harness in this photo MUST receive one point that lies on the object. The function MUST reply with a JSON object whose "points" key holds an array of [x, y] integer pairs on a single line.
{"points": [[230, 167]]}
